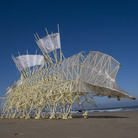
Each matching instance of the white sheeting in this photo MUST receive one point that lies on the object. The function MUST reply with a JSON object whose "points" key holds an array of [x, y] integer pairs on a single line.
{"points": [[49, 43], [26, 61]]}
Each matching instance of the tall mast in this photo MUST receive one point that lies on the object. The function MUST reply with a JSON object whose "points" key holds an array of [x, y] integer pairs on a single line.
{"points": [[60, 43], [51, 44]]}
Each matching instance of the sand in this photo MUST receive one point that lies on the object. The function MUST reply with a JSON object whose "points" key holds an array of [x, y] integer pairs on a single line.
{"points": [[97, 125]]}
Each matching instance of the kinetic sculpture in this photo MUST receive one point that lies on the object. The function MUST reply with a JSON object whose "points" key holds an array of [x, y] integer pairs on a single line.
{"points": [[51, 85]]}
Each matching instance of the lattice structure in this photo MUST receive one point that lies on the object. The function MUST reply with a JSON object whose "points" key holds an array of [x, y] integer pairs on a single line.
{"points": [[51, 86]]}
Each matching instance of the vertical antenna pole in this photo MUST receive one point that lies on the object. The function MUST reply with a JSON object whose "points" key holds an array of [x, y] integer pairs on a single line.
{"points": [[55, 53], [51, 44], [60, 43]]}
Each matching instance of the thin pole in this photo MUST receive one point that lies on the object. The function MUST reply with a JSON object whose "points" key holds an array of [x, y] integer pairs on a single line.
{"points": [[55, 53], [60, 43], [51, 44]]}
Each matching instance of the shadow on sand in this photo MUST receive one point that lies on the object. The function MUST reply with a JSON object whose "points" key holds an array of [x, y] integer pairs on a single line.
{"points": [[98, 117]]}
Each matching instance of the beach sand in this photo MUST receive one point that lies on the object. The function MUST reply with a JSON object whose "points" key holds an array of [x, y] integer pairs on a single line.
{"points": [[97, 125]]}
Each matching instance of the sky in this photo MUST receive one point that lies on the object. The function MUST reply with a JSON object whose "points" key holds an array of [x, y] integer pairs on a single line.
{"points": [[108, 26]]}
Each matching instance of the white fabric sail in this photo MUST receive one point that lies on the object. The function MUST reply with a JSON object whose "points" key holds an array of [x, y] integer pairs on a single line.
{"points": [[26, 61], [49, 43]]}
